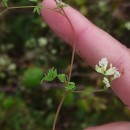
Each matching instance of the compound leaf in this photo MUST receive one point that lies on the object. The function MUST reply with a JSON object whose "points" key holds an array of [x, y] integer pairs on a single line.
{"points": [[52, 74], [62, 77], [70, 86]]}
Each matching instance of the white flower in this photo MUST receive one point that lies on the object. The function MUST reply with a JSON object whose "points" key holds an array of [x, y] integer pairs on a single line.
{"points": [[103, 63], [109, 74], [106, 82], [111, 70], [116, 75], [101, 68]]}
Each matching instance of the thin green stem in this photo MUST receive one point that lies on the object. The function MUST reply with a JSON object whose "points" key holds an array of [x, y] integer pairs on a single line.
{"points": [[85, 91], [23, 7], [16, 7]]}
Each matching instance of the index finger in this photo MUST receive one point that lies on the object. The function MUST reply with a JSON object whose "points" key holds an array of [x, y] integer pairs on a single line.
{"points": [[92, 44]]}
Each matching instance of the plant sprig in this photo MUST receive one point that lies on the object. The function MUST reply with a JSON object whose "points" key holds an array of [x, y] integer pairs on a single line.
{"points": [[38, 7], [52, 74]]}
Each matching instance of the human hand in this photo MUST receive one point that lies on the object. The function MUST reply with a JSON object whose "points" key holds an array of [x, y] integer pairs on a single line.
{"points": [[92, 44]]}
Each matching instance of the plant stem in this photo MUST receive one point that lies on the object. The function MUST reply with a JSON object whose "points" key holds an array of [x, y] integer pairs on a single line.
{"points": [[74, 42], [3, 11], [23, 7], [20, 7], [58, 109], [84, 91], [71, 66]]}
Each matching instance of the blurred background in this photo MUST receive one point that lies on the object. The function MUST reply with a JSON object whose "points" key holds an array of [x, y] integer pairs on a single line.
{"points": [[28, 48]]}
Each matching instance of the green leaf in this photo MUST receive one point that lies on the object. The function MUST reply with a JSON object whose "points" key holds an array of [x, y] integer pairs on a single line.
{"points": [[38, 8], [5, 3], [52, 74], [70, 86], [62, 77]]}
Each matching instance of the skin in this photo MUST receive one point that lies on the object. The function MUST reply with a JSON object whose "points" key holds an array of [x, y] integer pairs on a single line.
{"points": [[92, 44]]}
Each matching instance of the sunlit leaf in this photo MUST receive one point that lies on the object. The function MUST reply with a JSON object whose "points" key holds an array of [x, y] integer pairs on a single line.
{"points": [[70, 86], [62, 77], [52, 74]]}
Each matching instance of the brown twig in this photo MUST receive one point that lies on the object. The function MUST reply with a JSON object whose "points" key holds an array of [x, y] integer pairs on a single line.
{"points": [[71, 66]]}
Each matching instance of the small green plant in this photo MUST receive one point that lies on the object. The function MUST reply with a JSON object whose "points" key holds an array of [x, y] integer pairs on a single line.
{"points": [[108, 74], [36, 7]]}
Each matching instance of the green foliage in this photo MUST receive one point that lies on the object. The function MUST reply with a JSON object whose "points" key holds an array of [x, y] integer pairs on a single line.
{"points": [[52, 74], [38, 7], [32, 77], [33, 108], [8, 103], [62, 77], [5, 3], [70, 86]]}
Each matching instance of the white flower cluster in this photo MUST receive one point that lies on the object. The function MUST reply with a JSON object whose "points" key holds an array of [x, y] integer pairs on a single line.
{"points": [[109, 74]]}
